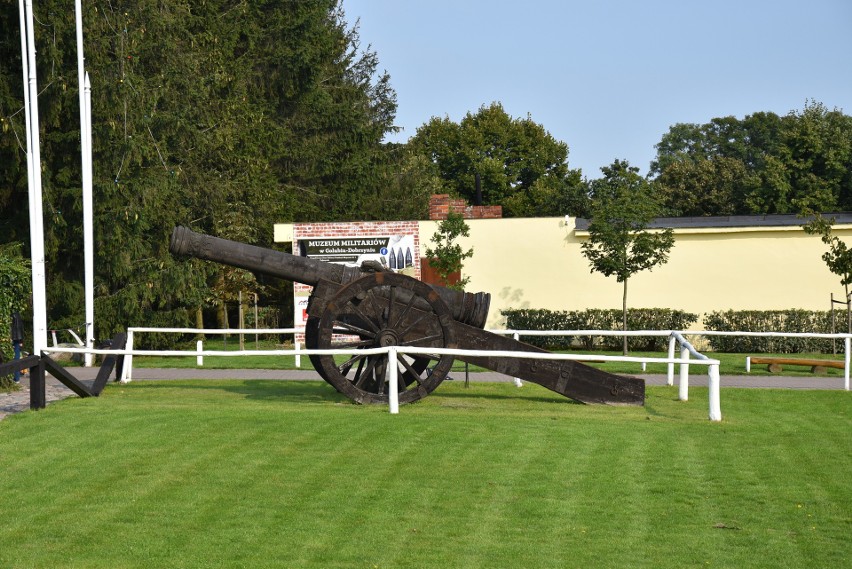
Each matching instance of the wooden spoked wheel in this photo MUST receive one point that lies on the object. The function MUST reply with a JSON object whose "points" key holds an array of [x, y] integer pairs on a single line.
{"points": [[381, 310]]}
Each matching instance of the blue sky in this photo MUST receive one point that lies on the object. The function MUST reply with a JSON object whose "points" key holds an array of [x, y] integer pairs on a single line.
{"points": [[609, 77]]}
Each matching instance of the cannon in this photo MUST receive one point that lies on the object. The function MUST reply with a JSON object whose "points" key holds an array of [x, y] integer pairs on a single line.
{"points": [[369, 306]]}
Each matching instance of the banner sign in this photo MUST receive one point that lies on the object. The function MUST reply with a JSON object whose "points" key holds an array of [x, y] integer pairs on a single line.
{"points": [[395, 252], [300, 309]]}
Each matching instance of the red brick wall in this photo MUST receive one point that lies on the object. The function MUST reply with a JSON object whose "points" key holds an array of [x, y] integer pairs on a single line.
{"points": [[440, 205]]}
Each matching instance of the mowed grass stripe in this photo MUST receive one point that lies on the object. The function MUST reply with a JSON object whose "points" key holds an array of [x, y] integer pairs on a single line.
{"points": [[281, 474]]}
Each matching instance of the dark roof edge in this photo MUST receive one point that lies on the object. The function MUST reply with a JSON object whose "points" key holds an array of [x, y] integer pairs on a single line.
{"points": [[779, 220]]}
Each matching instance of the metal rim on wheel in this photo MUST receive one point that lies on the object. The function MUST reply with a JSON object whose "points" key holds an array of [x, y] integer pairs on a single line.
{"points": [[378, 310]]}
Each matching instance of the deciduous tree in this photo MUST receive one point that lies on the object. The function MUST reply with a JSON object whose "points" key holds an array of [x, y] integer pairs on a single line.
{"points": [[448, 256], [762, 164], [838, 258], [620, 244], [518, 163]]}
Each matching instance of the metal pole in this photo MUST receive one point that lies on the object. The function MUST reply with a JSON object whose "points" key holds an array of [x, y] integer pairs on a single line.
{"points": [[88, 220], [393, 381], [670, 366], [127, 369], [35, 196], [683, 387], [714, 395], [833, 340], [86, 180], [517, 380], [241, 318]]}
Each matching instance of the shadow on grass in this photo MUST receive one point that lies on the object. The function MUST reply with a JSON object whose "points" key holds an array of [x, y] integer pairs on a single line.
{"points": [[319, 391], [258, 389], [478, 394]]}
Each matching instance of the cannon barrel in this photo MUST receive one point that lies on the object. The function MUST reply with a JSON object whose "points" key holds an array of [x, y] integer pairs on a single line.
{"points": [[471, 309]]}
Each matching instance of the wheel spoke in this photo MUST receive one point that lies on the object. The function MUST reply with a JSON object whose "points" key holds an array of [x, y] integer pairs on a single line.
{"points": [[405, 310], [413, 324], [365, 373], [360, 367], [346, 328], [358, 344], [391, 296], [381, 373], [370, 323], [413, 372], [374, 305], [423, 339], [347, 365]]}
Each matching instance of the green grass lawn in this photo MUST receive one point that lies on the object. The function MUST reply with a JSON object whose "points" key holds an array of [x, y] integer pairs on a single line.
{"points": [[291, 474], [730, 364]]}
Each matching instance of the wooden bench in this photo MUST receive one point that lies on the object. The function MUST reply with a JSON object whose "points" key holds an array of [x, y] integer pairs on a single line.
{"points": [[775, 365]]}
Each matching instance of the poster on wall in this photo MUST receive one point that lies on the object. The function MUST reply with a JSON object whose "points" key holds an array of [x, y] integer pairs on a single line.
{"points": [[300, 306], [395, 252]]}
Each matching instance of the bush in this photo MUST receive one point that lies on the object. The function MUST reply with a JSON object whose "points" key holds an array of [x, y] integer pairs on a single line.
{"points": [[792, 320], [536, 319], [597, 319]]}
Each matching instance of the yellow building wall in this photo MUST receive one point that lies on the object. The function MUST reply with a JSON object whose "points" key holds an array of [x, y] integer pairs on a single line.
{"points": [[537, 263]]}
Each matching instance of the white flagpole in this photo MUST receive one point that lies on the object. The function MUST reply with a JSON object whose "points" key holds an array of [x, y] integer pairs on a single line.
{"points": [[35, 198], [88, 227], [26, 73], [86, 159]]}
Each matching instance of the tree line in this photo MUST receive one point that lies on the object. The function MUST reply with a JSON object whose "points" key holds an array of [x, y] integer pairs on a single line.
{"points": [[230, 116], [224, 115]]}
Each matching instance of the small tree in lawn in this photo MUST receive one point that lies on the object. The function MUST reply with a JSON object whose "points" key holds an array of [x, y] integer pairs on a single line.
{"points": [[838, 257], [447, 257], [622, 206]]}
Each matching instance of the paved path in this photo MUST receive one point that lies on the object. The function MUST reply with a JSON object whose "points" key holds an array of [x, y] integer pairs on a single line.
{"points": [[20, 400]]}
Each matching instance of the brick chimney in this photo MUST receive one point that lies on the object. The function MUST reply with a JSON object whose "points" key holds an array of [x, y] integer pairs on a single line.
{"points": [[440, 205]]}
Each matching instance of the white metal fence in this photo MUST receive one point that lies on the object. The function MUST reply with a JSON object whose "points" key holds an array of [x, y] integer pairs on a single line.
{"points": [[132, 332], [678, 337], [129, 352], [688, 355]]}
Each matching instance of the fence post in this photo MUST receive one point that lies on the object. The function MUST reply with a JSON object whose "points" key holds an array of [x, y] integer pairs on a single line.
{"points": [[199, 347], [38, 395], [846, 355], [518, 382], [670, 366], [127, 371], [683, 393], [715, 406], [296, 345], [393, 381]]}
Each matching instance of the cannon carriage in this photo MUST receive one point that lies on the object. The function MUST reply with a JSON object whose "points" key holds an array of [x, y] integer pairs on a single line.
{"points": [[368, 307]]}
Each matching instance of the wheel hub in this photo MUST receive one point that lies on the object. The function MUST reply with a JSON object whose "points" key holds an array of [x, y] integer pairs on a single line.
{"points": [[387, 337]]}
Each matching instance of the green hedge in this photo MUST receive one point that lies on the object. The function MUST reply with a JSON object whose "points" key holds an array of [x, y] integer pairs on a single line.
{"points": [[597, 319], [792, 320]]}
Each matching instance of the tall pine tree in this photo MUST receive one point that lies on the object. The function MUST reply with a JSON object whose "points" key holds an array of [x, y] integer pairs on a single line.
{"points": [[228, 116]]}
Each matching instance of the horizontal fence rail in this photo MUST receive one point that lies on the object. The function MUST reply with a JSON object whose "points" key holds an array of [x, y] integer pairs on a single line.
{"points": [[714, 410], [673, 334], [689, 355]]}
